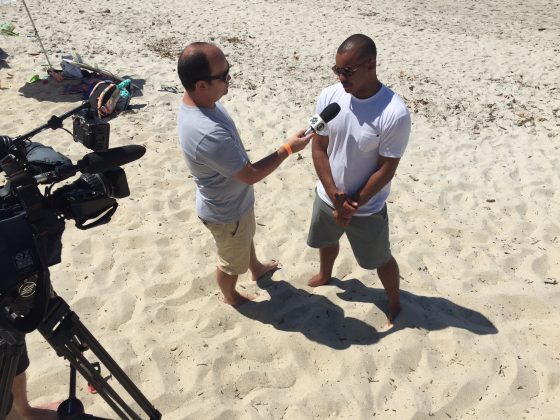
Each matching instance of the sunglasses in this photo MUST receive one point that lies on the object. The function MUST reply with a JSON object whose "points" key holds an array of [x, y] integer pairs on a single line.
{"points": [[347, 71], [223, 76]]}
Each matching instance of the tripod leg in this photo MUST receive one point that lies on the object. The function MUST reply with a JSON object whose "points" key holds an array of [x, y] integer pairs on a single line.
{"points": [[9, 358], [69, 337]]}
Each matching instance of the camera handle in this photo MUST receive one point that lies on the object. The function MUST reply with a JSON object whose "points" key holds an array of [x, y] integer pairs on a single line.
{"points": [[54, 122]]}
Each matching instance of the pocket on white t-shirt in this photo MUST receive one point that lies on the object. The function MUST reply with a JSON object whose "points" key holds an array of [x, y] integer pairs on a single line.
{"points": [[369, 139]]}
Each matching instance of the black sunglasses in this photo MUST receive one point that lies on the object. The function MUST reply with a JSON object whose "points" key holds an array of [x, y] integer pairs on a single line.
{"points": [[223, 77], [347, 71]]}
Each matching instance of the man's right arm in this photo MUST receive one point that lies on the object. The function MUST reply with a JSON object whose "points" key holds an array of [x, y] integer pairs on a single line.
{"points": [[253, 173], [319, 147], [345, 207]]}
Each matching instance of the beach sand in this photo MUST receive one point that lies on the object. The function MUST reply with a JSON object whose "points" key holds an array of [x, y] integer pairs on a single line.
{"points": [[473, 211]]}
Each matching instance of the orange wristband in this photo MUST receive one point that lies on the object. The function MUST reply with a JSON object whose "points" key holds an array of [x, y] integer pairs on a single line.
{"points": [[288, 148]]}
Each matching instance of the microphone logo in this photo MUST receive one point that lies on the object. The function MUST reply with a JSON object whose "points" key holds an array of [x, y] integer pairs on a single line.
{"points": [[319, 122], [316, 123]]}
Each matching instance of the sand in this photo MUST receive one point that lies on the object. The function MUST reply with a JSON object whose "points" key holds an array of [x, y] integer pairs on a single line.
{"points": [[473, 211]]}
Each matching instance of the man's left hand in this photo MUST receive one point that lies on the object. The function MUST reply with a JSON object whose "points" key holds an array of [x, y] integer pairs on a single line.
{"points": [[345, 207]]}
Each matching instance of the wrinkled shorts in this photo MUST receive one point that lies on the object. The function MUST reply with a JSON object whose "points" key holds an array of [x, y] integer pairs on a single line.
{"points": [[23, 364], [233, 242]]}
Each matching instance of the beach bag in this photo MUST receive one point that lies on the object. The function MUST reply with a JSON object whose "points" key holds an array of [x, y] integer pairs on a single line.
{"points": [[104, 98], [107, 97], [127, 90]]}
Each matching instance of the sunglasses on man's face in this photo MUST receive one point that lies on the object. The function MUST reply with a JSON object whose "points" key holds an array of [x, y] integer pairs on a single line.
{"points": [[347, 71], [223, 76]]}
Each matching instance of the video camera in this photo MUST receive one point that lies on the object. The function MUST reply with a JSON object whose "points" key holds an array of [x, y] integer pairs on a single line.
{"points": [[31, 225], [32, 221]]}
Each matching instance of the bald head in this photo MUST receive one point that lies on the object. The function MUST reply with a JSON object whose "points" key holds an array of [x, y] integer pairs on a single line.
{"points": [[363, 45], [194, 63]]}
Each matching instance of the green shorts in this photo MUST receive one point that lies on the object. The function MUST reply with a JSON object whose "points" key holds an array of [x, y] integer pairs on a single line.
{"points": [[233, 242], [368, 235]]}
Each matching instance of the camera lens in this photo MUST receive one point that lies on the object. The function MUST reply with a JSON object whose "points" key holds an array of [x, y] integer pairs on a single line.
{"points": [[98, 182], [111, 183]]}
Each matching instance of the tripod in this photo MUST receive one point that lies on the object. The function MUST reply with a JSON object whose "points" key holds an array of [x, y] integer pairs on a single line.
{"points": [[63, 330]]}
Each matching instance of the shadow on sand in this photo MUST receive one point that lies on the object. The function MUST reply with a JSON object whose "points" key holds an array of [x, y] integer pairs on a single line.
{"points": [[322, 321], [429, 313], [3, 59]]}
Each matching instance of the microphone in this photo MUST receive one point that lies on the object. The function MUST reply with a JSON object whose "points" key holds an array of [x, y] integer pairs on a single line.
{"points": [[94, 162], [111, 158], [319, 122]]}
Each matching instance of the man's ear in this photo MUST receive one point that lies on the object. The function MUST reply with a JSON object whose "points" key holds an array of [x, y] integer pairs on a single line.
{"points": [[201, 85]]}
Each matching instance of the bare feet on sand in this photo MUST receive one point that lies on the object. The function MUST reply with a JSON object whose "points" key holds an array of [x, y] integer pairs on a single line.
{"points": [[263, 269], [394, 310], [318, 280], [238, 299]]}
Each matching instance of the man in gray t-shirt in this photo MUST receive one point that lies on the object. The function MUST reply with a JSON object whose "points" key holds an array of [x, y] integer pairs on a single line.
{"points": [[214, 154], [223, 174]]}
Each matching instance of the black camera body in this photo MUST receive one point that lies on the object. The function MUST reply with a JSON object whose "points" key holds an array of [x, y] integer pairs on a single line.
{"points": [[32, 219], [19, 257], [91, 131]]}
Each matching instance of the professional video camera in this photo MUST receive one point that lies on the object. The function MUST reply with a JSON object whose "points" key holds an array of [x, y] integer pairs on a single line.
{"points": [[31, 225]]}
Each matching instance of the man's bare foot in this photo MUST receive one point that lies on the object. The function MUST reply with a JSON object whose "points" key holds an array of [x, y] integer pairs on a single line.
{"points": [[318, 280], [394, 310], [238, 299], [264, 269]]}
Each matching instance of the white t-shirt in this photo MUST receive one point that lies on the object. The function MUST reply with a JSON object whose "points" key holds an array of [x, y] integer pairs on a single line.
{"points": [[363, 130]]}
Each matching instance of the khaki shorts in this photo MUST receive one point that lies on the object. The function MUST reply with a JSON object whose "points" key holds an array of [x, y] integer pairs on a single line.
{"points": [[233, 243]]}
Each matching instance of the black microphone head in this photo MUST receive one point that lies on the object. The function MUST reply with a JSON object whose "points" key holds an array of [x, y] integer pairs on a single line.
{"points": [[110, 158], [330, 111]]}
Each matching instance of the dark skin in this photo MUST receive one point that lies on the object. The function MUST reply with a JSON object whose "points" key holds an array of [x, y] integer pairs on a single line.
{"points": [[347, 205], [361, 83]]}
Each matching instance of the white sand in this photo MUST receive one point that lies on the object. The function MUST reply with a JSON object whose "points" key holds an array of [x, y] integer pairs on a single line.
{"points": [[474, 213]]}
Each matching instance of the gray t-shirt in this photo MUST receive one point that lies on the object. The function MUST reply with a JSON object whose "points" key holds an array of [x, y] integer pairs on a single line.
{"points": [[214, 153]]}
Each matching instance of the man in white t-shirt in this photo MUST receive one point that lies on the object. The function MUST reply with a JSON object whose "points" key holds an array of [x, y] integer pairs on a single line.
{"points": [[355, 157]]}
